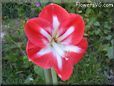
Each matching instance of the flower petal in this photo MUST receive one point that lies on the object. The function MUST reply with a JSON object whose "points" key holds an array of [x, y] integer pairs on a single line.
{"points": [[55, 25], [58, 52], [72, 30], [66, 70], [72, 56], [48, 59], [77, 56], [54, 14], [42, 57], [38, 31]]}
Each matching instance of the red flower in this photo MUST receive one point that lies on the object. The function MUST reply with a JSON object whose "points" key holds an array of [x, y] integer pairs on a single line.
{"points": [[55, 39]]}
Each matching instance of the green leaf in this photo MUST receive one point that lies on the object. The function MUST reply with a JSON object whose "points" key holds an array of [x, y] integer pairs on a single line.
{"points": [[112, 41], [109, 37], [39, 71], [97, 23], [110, 52], [29, 79], [57, 1], [26, 62], [97, 32]]}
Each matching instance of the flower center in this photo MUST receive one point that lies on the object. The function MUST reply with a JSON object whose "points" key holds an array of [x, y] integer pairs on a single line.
{"points": [[54, 40]]}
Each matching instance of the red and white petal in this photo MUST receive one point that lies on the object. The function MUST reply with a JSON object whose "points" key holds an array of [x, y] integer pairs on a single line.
{"points": [[72, 30], [53, 10], [55, 14], [65, 72], [72, 56], [62, 66], [76, 54], [38, 31], [42, 57], [58, 52]]}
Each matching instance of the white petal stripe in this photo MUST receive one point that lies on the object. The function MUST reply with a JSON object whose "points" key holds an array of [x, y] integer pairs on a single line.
{"points": [[56, 24], [44, 51], [45, 34], [58, 49], [59, 53], [72, 48], [67, 33], [58, 57]]}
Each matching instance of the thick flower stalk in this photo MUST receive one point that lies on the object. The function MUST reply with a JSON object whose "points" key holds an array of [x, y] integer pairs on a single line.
{"points": [[55, 39]]}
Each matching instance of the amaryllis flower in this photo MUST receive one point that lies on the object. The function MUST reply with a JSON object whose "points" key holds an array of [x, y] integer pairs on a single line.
{"points": [[55, 39]]}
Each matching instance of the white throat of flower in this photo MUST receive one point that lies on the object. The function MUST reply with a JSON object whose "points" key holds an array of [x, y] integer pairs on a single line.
{"points": [[56, 45]]}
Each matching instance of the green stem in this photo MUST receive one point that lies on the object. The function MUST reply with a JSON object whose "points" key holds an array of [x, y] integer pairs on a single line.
{"points": [[54, 76], [48, 77]]}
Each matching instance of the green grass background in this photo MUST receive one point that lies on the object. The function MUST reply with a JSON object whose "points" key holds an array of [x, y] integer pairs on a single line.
{"points": [[90, 70]]}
